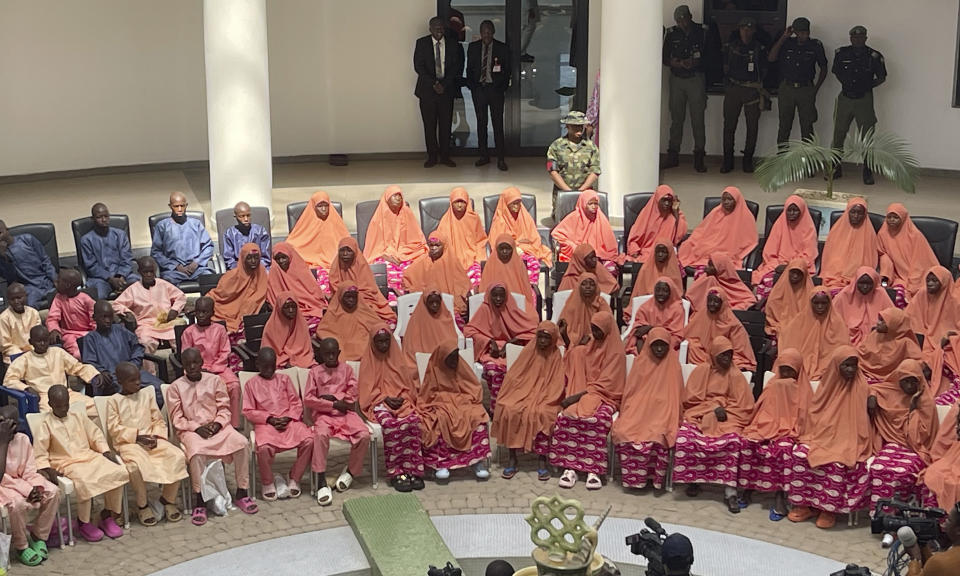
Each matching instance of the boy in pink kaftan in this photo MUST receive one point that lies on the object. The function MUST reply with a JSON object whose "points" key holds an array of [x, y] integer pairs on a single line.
{"points": [[211, 339], [154, 303], [71, 312]]}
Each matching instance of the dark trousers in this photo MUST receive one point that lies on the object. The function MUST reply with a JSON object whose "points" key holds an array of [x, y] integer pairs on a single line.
{"points": [[483, 97], [803, 100], [436, 110], [735, 99], [850, 109]]}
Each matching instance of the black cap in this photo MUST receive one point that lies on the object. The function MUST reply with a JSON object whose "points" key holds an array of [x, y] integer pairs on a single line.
{"points": [[858, 31], [677, 547], [801, 24], [682, 10], [747, 22]]}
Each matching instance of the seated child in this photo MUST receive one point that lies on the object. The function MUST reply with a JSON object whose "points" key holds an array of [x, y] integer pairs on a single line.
{"points": [[153, 303], [16, 322], [71, 312], [211, 340]]}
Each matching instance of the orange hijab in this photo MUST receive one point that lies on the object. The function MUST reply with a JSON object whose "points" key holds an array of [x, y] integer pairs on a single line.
{"points": [[298, 279], [450, 401], [704, 327], [881, 353], [290, 339], [465, 236], [358, 274], [502, 324], [933, 315], [445, 274], [896, 423], [941, 476], [239, 292], [848, 248], [668, 316], [837, 427], [532, 390], [425, 330], [599, 369], [512, 274], [652, 226], [727, 281], [789, 240], [786, 301], [605, 280], [734, 233], [577, 312], [859, 311], [710, 386], [314, 238], [904, 255], [579, 227], [650, 410], [397, 235], [521, 228], [352, 329], [651, 270], [816, 337], [784, 402], [386, 375]]}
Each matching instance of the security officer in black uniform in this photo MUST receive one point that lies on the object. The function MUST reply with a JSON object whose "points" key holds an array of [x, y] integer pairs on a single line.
{"points": [[859, 69], [683, 53], [744, 64], [799, 56]]}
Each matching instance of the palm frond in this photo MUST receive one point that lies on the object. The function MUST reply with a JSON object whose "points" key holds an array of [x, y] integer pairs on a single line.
{"points": [[795, 161], [887, 155]]}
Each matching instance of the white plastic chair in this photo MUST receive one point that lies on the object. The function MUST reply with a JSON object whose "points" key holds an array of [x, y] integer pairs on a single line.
{"points": [[767, 377], [407, 303], [294, 375], [560, 300], [102, 410], [513, 350], [475, 300]]}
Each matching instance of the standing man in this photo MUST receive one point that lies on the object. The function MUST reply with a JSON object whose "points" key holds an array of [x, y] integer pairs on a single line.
{"points": [[682, 53], [572, 160], [859, 69], [438, 61], [799, 56], [744, 64], [488, 77]]}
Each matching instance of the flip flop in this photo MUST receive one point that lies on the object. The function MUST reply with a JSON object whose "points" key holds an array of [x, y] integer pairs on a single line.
{"points": [[199, 516], [509, 473], [172, 513], [29, 557], [776, 516], [543, 474], [594, 482], [294, 488], [568, 479], [146, 517], [246, 505]]}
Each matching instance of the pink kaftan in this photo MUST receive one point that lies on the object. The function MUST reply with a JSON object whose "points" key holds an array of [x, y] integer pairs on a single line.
{"points": [[194, 404], [277, 397], [147, 304], [330, 423], [214, 345], [72, 318]]}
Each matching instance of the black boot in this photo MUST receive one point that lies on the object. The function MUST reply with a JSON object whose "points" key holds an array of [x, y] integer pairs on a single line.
{"points": [[698, 163], [671, 161], [727, 165], [867, 175], [748, 163]]}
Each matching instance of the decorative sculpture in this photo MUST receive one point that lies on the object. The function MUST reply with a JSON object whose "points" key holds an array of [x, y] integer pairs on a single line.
{"points": [[566, 544]]}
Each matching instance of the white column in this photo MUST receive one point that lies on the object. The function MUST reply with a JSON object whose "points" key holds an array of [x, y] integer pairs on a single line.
{"points": [[631, 69], [238, 102]]}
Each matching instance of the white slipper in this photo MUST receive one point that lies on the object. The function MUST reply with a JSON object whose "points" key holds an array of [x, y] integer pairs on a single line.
{"points": [[594, 482], [344, 481], [269, 492], [568, 479], [293, 487], [325, 496]]}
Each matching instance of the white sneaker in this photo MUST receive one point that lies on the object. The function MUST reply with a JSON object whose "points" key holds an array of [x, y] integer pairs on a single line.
{"points": [[480, 469], [344, 481], [325, 496], [442, 474]]}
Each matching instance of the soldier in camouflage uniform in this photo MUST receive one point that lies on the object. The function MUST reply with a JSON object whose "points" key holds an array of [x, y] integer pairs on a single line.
{"points": [[682, 53], [572, 160], [799, 56]]}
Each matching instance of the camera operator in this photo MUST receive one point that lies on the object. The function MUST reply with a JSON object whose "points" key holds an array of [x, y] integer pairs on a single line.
{"points": [[677, 555], [942, 564]]}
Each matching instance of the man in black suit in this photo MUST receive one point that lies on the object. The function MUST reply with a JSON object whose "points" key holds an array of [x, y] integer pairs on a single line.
{"points": [[488, 76], [438, 61]]}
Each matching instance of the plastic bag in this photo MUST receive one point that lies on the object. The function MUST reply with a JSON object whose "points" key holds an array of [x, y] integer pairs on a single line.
{"points": [[4, 552], [213, 489], [157, 508], [283, 491]]}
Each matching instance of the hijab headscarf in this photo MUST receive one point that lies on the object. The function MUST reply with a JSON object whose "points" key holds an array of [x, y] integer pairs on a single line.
{"points": [[933, 315], [298, 279], [786, 301], [465, 238], [816, 337], [652, 226], [848, 248], [606, 283], [521, 228], [896, 423], [498, 324], [905, 255], [860, 311], [358, 274], [397, 235], [444, 274], [578, 312], [784, 402], [788, 241], [425, 330], [240, 292], [386, 375], [881, 353], [351, 329], [668, 316], [734, 233], [313, 238], [727, 281], [599, 369], [711, 386], [704, 327], [513, 274], [450, 401], [943, 476], [578, 227], [651, 270], [290, 339]]}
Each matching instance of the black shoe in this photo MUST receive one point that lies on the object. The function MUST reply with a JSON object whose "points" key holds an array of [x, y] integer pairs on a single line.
{"points": [[449, 162], [416, 483], [748, 164], [867, 176], [698, 161], [566, 91], [502, 165], [526, 58], [672, 160], [482, 162], [430, 163], [727, 165]]}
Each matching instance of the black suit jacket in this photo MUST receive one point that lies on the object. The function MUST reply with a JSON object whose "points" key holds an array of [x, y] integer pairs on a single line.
{"points": [[501, 56], [425, 66]]}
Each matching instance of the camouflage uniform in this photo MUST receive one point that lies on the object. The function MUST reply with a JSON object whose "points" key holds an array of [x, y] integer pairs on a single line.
{"points": [[573, 161]]}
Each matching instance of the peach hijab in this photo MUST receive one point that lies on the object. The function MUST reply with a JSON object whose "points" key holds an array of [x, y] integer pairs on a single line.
{"points": [[605, 280], [837, 427], [711, 386], [314, 238], [704, 327], [786, 301], [450, 401], [445, 274], [358, 274], [905, 254], [396, 235], [668, 316], [579, 227], [290, 339], [532, 390], [298, 279], [933, 315], [598, 369], [881, 353], [789, 240], [425, 330], [351, 329], [501, 325], [734, 233], [784, 402], [386, 375], [896, 423], [240, 292], [816, 337], [943, 476], [577, 312], [860, 311], [646, 278], [465, 238], [652, 226], [727, 281], [521, 227], [512, 274], [650, 410], [848, 248]]}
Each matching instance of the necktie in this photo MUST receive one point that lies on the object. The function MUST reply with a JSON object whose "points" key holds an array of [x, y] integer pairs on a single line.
{"points": [[437, 60], [485, 65]]}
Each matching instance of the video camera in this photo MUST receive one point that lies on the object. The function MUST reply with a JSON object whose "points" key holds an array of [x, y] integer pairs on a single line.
{"points": [[649, 544], [925, 522], [853, 570], [448, 570]]}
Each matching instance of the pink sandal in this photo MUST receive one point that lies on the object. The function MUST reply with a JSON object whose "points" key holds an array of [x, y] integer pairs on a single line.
{"points": [[246, 505], [199, 516]]}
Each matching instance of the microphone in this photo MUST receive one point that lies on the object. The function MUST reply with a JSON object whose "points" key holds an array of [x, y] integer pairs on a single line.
{"points": [[906, 536], [658, 529]]}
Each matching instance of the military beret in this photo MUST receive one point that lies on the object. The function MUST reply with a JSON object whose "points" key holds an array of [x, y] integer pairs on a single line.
{"points": [[801, 24], [682, 10], [858, 31]]}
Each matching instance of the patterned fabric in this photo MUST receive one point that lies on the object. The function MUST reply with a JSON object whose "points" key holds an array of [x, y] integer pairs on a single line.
{"points": [[893, 473], [394, 276], [533, 267], [323, 280], [900, 301], [440, 455], [762, 464], [494, 373], [402, 452], [581, 443], [765, 286], [573, 161], [701, 459], [473, 273], [832, 487], [611, 267], [234, 362], [541, 444], [950, 397], [699, 271], [642, 463]]}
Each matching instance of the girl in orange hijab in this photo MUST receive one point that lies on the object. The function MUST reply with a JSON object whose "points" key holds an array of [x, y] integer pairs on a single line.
{"points": [[789, 296], [463, 230], [792, 236], [507, 268], [286, 332], [860, 303], [585, 260], [351, 269], [350, 321], [241, 291], [429, 325], [721, 274], [595, 373], [512, 219], [316, 232], [944, 363], [529, 400], [905, 254], [717, 405], [388, 395], [828, 469], [441, 270], [453, 421], [769, 437], [650, 413], [664, 310], [816, 332], [851, 243], [934, 310], [292, 274], [890, 343], [663, 263], [907, 426], [587, 224], [582, 304], [717, 319], [394, 237], [498, 322], [730, 228], [941, 481], [660, 220]]}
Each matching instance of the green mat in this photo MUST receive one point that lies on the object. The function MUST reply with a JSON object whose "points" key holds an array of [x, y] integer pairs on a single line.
{"points": [[396, 535]]}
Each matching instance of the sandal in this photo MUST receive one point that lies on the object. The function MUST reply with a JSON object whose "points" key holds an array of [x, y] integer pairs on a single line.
{"points": [[416, 483], [776, 516], [733, 505], [199, 516], [294, 488], [509, 473], [40, 547], [401, 483], [172, 513], [567, 479], [693, 490], [325, 496], [146, 517], [543, 474], [594, 482], [29, 557], [246, 505], [269, 492]]}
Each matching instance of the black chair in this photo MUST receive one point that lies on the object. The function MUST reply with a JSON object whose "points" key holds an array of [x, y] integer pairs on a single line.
{"points": [[633, 204], [774, 210], [876, 219], [208, 282], [224, 219], [567, 203], [189, 286], [432, 210], [754, 321], [253, 334], [365, 212], [81, 226], [941, 234], [175, 359], [296, 209], [46, 234], [711, 202], [379, 271]]}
